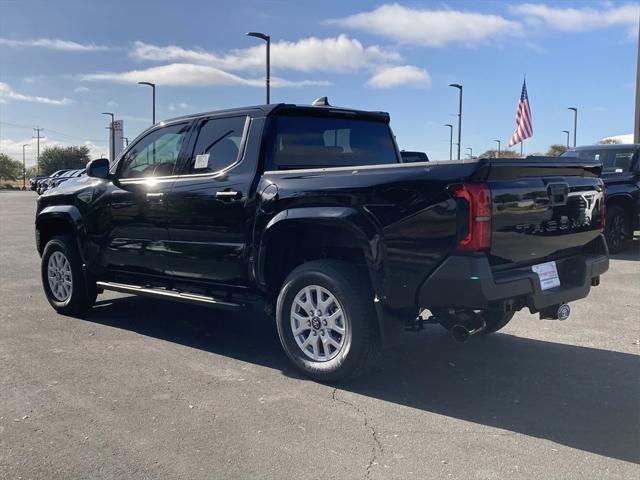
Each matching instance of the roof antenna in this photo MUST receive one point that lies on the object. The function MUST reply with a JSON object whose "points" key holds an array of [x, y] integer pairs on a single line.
{"points": [[321, 102]]}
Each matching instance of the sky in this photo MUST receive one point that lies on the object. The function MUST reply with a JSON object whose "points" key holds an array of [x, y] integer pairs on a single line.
{"points": [[63, 63]]}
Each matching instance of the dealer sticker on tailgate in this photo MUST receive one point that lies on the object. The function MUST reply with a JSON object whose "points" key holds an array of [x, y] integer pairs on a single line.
{"points": [[548, 275]]}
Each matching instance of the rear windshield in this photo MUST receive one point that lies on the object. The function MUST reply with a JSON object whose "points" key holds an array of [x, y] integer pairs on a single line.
{"points": [[318, 142], [613, 159]]}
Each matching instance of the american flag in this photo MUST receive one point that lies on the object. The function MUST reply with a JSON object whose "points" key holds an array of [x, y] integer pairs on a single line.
{"points": [[524, 126]]}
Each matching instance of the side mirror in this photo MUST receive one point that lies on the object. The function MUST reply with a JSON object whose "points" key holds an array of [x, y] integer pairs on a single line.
{"points": [[98, 168]]}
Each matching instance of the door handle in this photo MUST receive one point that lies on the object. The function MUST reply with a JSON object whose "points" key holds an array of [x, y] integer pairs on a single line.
{"points": [[154, 197], [229, 195]]}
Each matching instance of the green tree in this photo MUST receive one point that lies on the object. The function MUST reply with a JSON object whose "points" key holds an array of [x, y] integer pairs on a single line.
{"points": [[556, 150], [57, 158], [10, 169], [503, 154]]}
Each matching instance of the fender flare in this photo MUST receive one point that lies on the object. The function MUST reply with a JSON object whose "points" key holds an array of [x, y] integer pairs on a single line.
{"points": [[364, 229], [65, 213]]}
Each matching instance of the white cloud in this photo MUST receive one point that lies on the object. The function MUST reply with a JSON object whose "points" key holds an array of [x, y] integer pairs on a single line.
{"points": [[339, 54], [188, 74], [432, 28], [53, 44], [406, 75], [81, 89], [7, 94], [112, 103], [179, 106], [579, 19]]}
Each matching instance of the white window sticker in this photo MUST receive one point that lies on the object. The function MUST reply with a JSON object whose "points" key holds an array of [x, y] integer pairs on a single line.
{"points": [[202, 161], [548, 275]]}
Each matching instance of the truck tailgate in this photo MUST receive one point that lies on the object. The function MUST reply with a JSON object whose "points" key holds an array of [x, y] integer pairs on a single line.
{"points": [[542, 208]]}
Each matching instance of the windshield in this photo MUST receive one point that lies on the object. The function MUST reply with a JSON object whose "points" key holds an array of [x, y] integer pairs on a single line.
{"points": [[317, 142], [614, 160]]}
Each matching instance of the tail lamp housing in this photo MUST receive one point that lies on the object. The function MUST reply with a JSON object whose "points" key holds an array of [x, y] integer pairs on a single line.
{"points": [[478, 232]]}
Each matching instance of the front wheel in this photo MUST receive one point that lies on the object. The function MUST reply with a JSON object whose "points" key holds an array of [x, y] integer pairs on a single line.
{"points": [[65, 285], [326, 320], [616, 228]]}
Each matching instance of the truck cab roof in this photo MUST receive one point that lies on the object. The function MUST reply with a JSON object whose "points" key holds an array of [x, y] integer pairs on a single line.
{"points": [[288, 108]]}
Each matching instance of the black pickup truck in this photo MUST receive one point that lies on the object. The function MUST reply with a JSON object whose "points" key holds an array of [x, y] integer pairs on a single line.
{"points": [[309, 211], [621, 176]]}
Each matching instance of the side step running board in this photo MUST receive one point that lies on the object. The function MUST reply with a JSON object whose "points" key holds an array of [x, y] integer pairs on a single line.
{"points": [[171, 295]]}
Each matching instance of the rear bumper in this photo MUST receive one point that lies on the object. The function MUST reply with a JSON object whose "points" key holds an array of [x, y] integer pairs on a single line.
{"points": [[468, 282]]}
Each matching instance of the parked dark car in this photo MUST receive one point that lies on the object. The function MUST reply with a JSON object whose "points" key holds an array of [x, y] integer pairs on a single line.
{"points": [[309, 212], [413, 157], [33, 182], [69, 175], [43, 183], [621, 175]]}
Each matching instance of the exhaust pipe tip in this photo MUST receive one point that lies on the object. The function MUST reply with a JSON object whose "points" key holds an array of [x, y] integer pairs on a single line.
{"points": [[460, 333]]}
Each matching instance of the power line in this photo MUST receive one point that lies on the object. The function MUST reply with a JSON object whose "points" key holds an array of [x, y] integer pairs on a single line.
{"points": [[58, 133]]}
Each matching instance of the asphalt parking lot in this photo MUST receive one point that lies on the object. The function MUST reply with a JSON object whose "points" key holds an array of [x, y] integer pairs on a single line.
{"points": [[148, 389]]}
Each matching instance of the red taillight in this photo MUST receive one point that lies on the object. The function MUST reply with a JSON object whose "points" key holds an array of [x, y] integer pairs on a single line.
{"points": [[603, 202], [478, 197]]}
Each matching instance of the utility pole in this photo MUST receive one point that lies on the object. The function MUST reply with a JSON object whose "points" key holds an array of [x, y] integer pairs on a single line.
{"points": [[24, 168], [459, 87], [38, 130]]}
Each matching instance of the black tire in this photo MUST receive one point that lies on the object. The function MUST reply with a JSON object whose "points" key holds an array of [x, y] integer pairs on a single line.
{"points": [[83, 293], [351, 287], [494, 319], [616, 228]]}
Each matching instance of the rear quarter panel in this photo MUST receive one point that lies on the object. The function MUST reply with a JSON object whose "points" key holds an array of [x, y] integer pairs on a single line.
{"points": [[406, 216]]}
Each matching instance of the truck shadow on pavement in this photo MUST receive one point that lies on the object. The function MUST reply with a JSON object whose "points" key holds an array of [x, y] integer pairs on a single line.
{"points": [[631, 251], [581, 397]]}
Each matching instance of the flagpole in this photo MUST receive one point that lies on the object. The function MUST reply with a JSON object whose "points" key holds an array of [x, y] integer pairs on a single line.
{"points": [[521, 144]]}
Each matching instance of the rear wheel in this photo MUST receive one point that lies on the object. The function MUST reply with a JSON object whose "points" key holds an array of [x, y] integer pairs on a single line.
{"points": [[63, 279], [327, 321], [494, 320], [616, 228]]}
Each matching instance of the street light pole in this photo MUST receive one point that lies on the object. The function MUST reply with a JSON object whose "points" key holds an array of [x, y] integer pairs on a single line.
{"points": [[575, 124], [567, 132], [38, 130], [113, 136], [267, 39], [636, 130], [459, 87], [450, 140], [470, 153], [24, 168], [498, 141], [153, 87]]}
